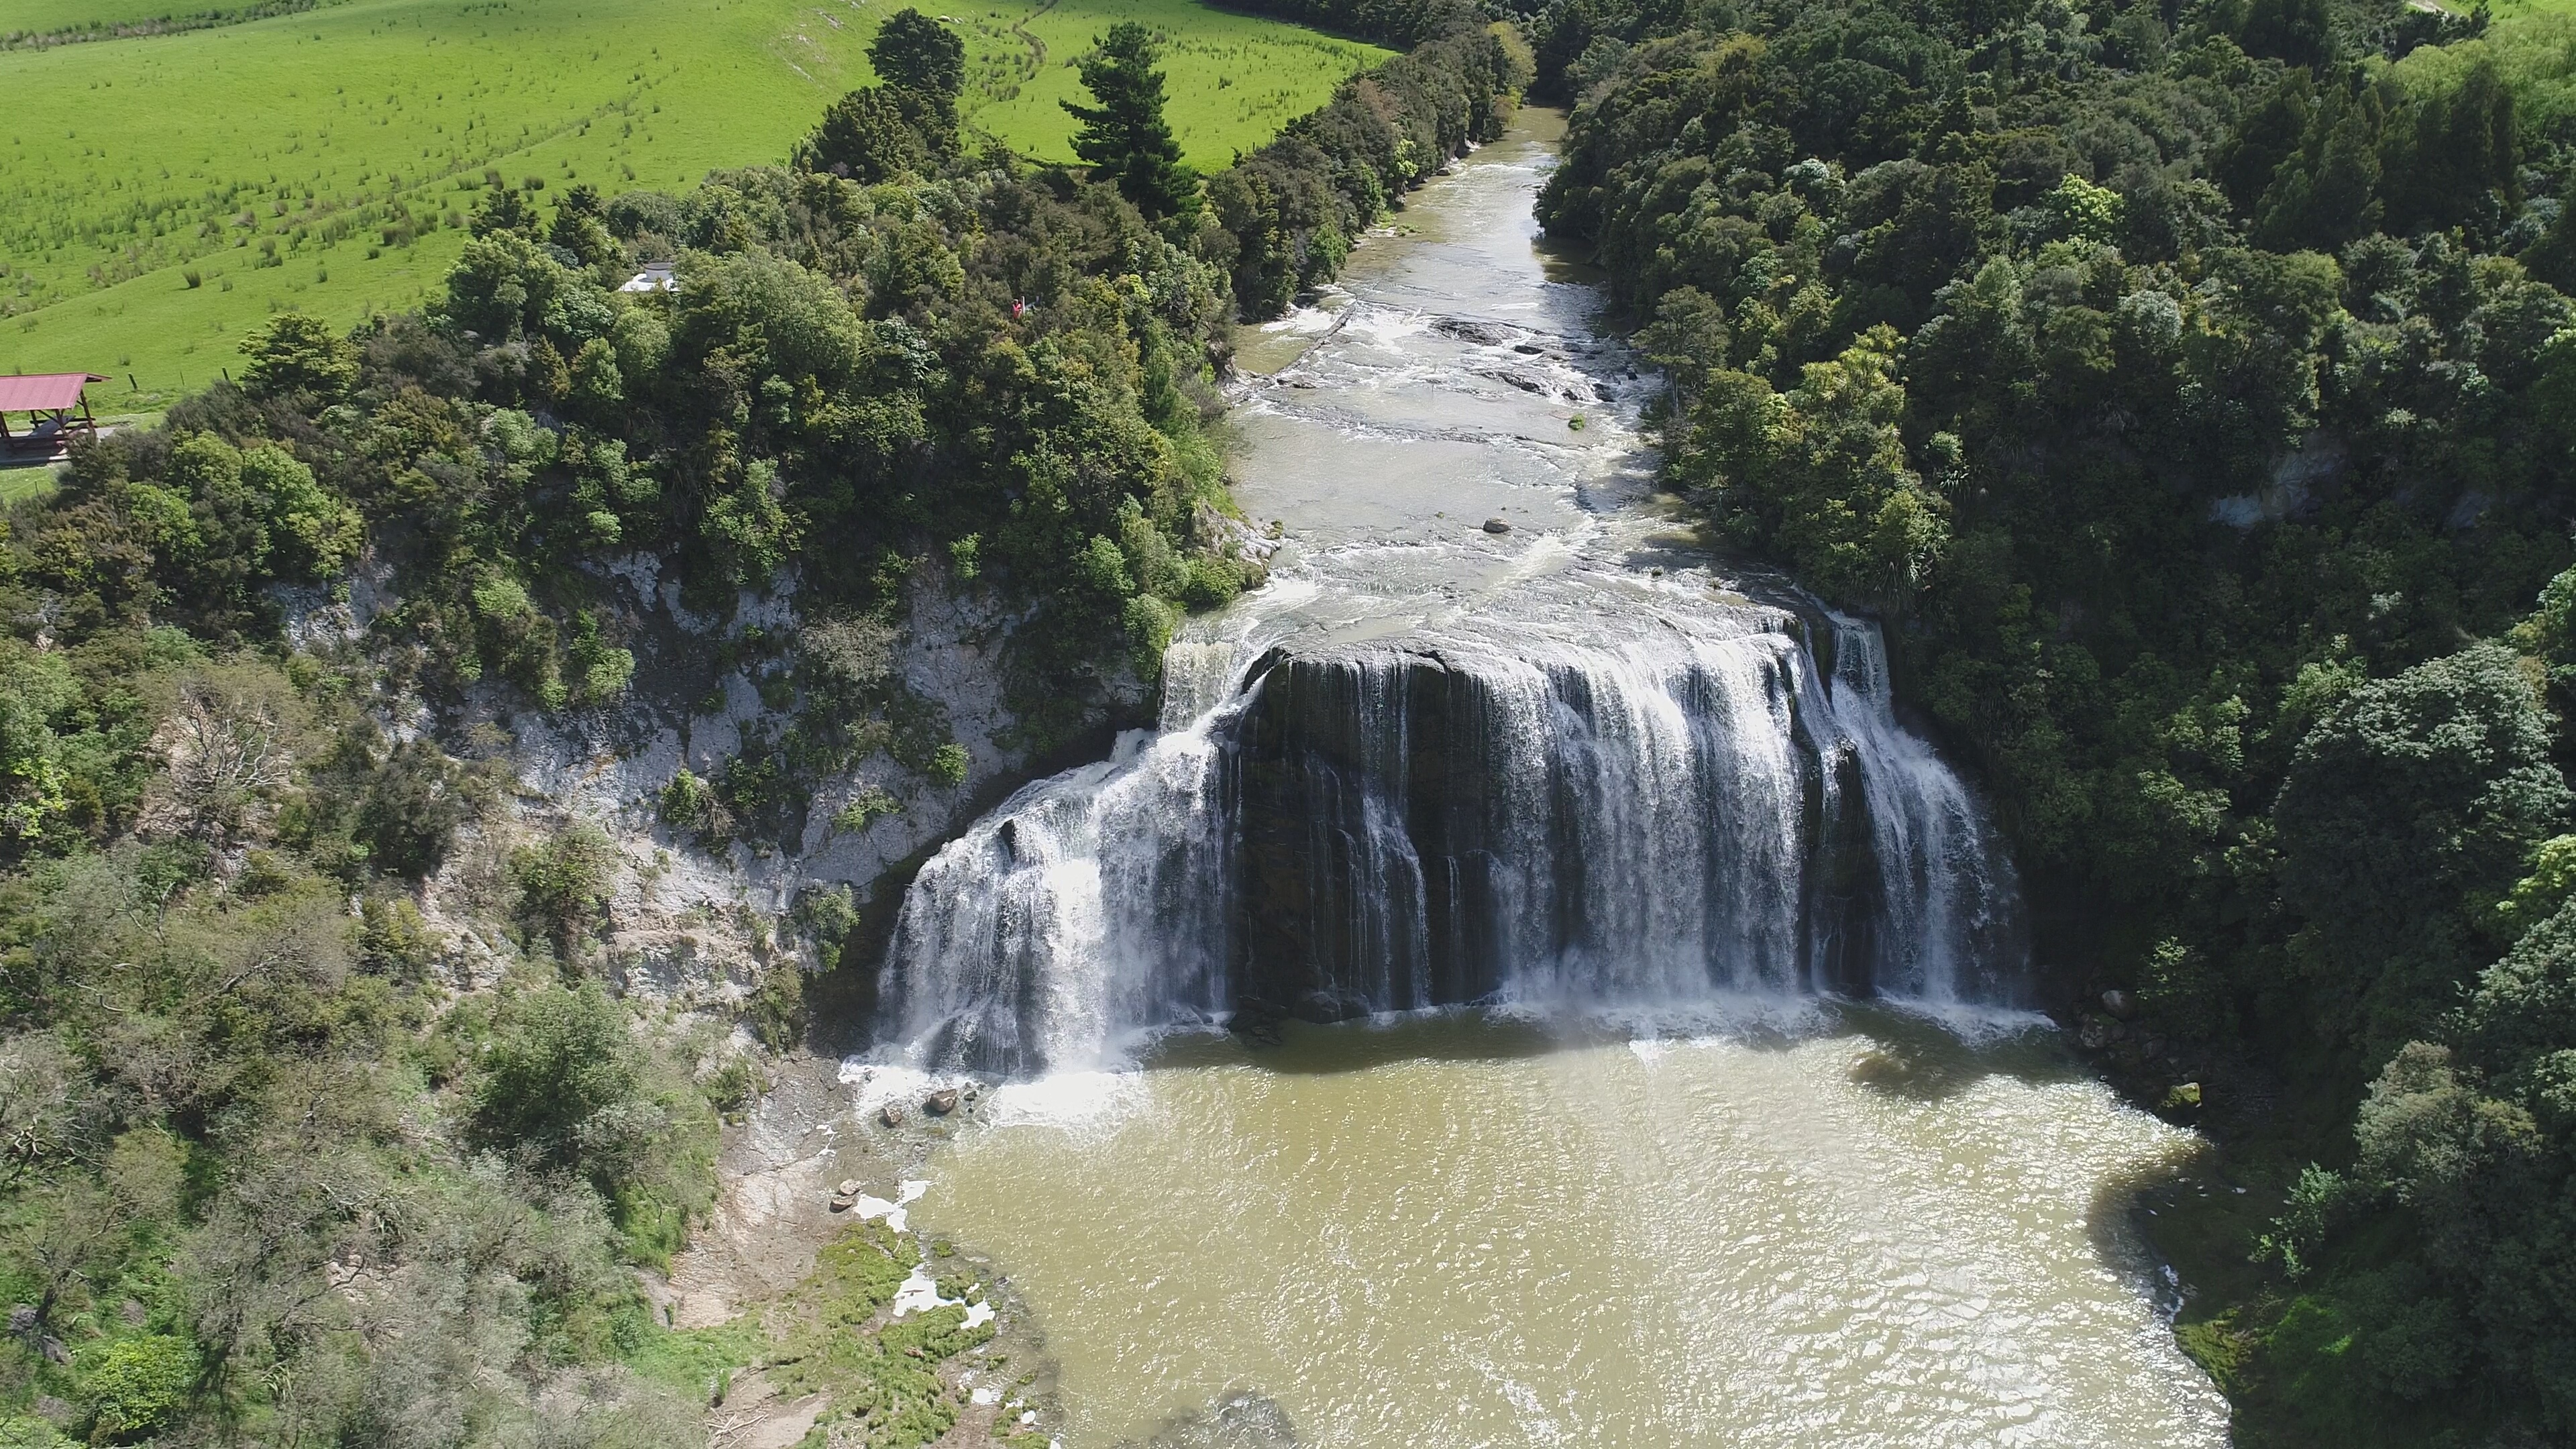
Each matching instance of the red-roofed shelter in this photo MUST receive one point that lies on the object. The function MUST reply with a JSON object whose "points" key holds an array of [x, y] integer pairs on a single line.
{"points": [[50, 400]]}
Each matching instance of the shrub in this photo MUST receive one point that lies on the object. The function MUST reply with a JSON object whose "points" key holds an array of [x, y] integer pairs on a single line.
{"points": [[828, 917], [562, 885], [775, 1011], [395, 940], [948, 764], [410, 807], [690, 804], [563, 1077], [600, 672], [870, 804], [848, 658], [136, 1387], [297, 356]]}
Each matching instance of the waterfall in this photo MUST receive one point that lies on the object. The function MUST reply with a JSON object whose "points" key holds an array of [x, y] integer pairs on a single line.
{"points": [[1491, 810], [1548, 759]]}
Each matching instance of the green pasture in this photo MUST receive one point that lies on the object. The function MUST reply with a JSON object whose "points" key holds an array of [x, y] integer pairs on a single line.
{"points": [[23, 481], [159, 197], [1233, 80], [40, 17]]}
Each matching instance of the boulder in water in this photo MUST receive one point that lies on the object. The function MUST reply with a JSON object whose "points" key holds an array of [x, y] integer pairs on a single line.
{"points": [[1327, 1005], [1257, 1021], [941, 1102], [1242, 1421], [890, 1114], [1496, 525]]}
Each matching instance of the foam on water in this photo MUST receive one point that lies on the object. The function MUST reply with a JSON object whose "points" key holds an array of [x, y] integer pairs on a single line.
{"points": [[1674, 1177], [1658, 803]]}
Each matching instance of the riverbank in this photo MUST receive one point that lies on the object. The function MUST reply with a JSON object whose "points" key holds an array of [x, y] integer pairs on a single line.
{"points": [[812, 1303], [1740, 1211]]}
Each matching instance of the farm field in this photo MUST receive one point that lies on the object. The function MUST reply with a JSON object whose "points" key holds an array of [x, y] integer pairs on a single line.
{"points": [[44, 17], [160, 196]]}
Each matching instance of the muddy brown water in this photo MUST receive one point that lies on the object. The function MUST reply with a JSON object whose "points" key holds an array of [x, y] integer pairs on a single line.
{"points": [[1774, 1223], [1461, 1232]]}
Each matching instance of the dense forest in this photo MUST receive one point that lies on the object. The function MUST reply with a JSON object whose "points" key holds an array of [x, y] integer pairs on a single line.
{"points": [[2192, 388], [320, 1127]]}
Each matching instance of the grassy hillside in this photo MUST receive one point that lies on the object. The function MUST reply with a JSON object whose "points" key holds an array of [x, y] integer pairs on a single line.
{"points": [[159, 197], [47, 17]]}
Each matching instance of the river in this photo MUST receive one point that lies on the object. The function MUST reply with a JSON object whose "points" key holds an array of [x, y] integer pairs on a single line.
{"points": [[1688, 1102]]}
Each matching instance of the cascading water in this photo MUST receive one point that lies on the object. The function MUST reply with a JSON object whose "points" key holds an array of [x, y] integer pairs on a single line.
{"points": [[1555, 759], [1476, 812], [1561, 762]]}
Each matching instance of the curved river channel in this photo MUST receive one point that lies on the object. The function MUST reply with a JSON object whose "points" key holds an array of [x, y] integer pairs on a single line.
{"points": [[1719, 1199]]}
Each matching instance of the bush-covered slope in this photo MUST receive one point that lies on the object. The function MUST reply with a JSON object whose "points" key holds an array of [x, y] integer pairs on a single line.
{"points": [[321, 1127], [2190, 388]]}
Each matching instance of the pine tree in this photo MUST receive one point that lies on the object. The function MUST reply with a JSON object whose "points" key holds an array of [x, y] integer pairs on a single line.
{"points": [[925, 66], [1125, 137], [913, 52], [506, 209], [866, 136]]}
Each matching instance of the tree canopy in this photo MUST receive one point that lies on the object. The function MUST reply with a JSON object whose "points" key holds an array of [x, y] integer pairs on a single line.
{"points": [[1124, 135], [326, 1121], [2187, 390], [913, 52]]}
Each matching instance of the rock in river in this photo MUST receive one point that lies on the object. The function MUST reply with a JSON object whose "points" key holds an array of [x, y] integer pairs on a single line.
{"points": [[1327, 1005]]}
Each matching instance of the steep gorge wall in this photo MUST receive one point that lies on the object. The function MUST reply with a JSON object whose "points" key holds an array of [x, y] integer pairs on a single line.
{"points": [[694, 922]]}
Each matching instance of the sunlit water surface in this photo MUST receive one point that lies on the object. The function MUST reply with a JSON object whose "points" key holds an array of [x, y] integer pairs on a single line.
{"points": [[1454, 1232], [1847, 1227]]}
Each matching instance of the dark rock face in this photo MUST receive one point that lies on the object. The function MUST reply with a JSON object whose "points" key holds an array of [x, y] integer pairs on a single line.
{"points": [[1846, 891], [1386, 804], [1332, 754], [1324, 1006]]}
